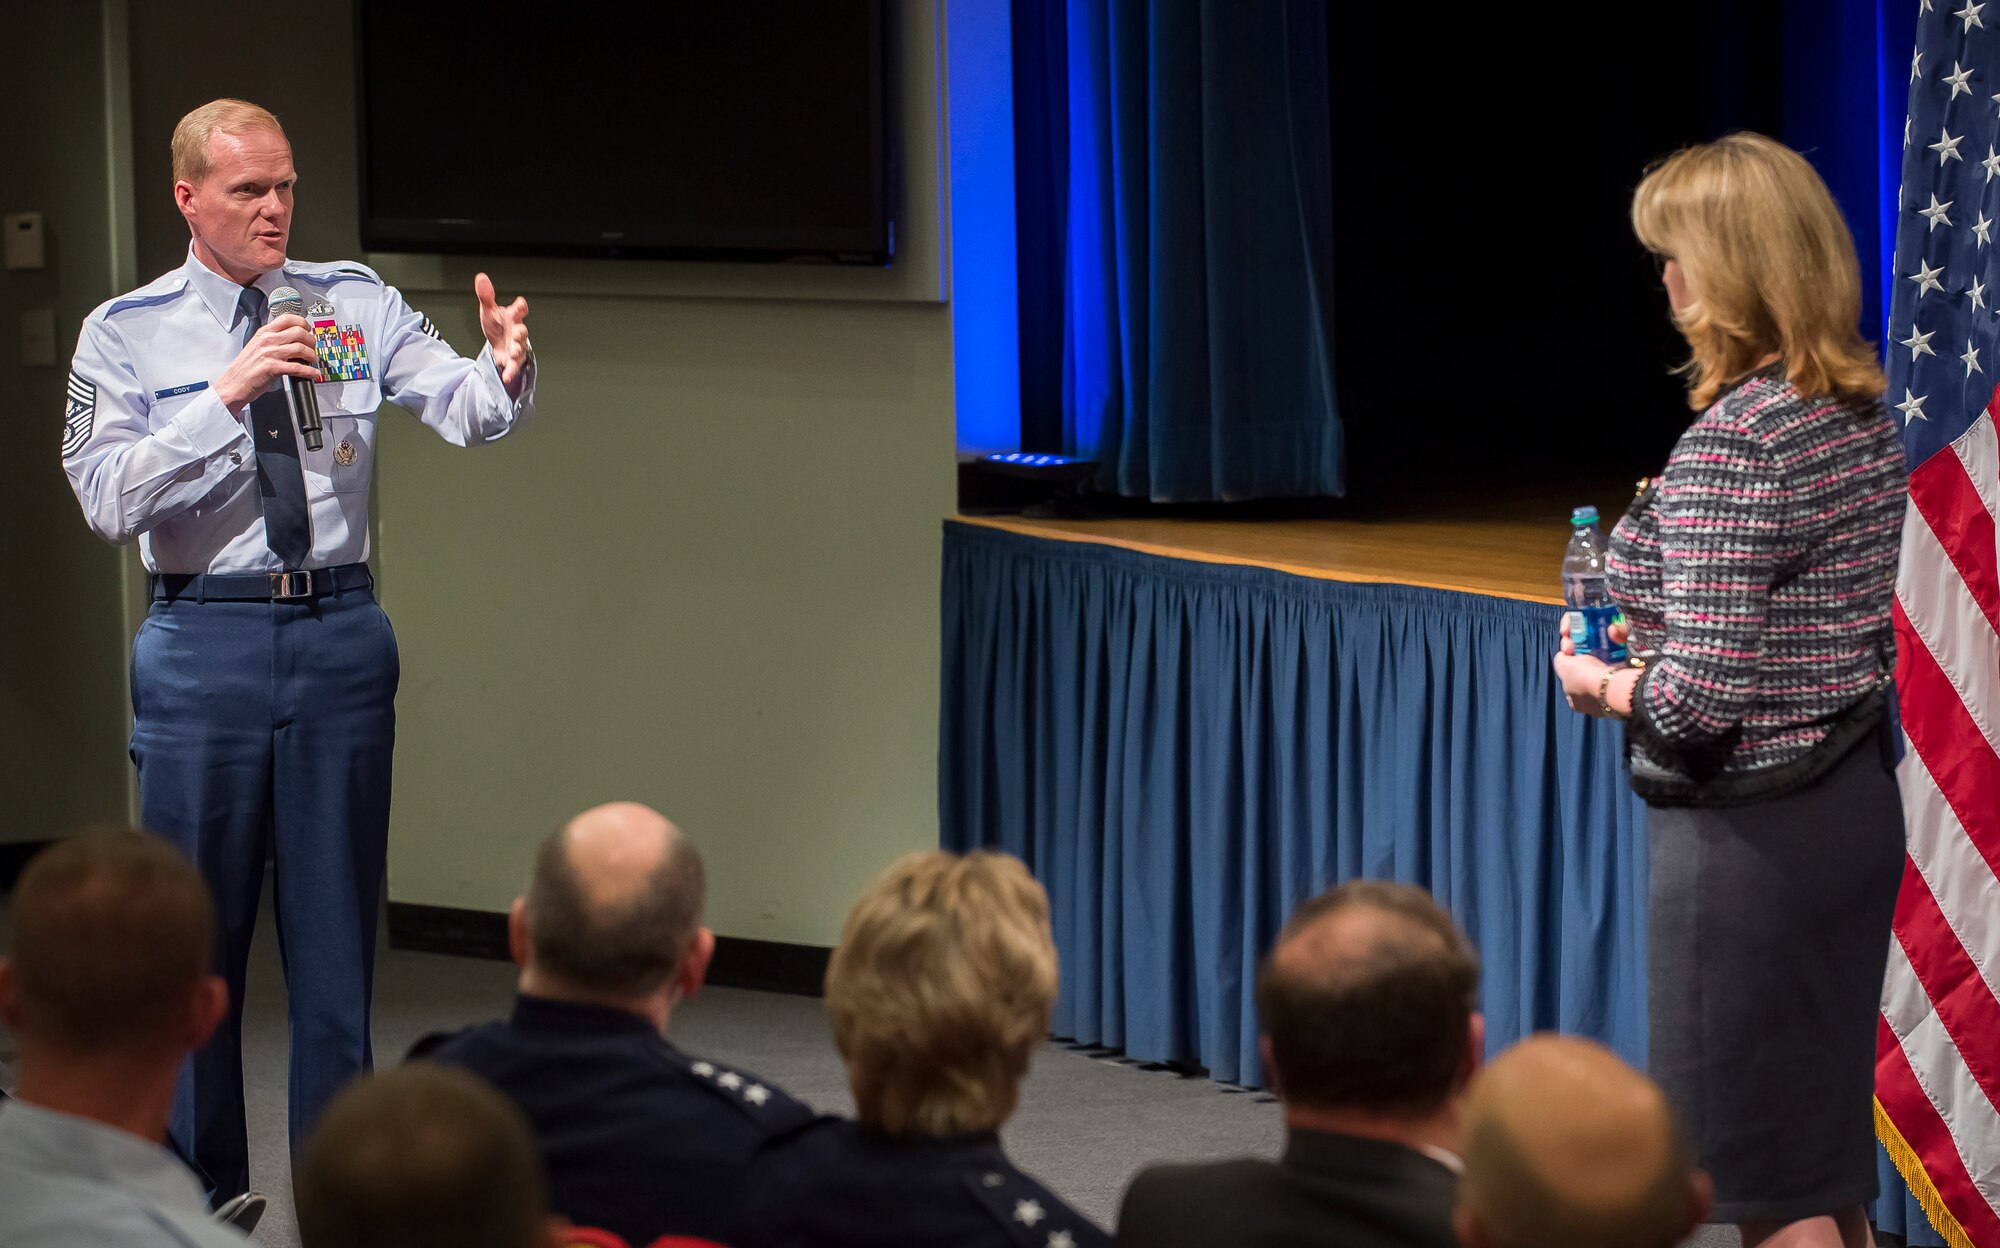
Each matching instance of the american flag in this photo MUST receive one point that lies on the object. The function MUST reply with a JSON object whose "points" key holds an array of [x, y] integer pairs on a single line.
{"points": [[1937, 1075]]}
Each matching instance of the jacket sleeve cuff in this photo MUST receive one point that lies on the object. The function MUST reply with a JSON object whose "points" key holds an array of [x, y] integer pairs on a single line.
{"points": [[209, 427], [1642, 729]]}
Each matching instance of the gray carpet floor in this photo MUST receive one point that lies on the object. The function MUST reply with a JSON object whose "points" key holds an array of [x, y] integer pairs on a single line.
{"points": [[1087, 1122]]}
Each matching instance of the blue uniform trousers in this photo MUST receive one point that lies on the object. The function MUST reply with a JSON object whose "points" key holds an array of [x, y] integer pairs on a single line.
{"points": [[266, 728]]}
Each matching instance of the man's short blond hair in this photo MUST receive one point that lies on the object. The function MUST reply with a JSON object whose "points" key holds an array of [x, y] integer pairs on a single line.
{"points": [[1567, 1145], [196, 130], [940, 990]]}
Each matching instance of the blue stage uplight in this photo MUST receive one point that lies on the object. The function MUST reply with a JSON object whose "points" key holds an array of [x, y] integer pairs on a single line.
{"points": [[1031, 459], [985, 321]]}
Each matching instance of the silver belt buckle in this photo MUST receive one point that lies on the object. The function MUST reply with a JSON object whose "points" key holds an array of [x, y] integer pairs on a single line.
{"points": [[292, 584]]}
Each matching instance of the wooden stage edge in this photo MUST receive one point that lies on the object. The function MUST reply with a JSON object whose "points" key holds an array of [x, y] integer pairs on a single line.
{"points": [[1502, 548]]}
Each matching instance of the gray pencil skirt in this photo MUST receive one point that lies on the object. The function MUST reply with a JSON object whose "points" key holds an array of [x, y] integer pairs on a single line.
{"points": [[1768, 936]]}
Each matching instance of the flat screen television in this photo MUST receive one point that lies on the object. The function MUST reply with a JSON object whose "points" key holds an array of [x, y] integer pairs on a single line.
{"points": [[758, 130]]}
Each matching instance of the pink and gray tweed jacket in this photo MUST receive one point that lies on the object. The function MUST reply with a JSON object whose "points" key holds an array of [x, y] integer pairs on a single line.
{"points": [[1761, 565]]}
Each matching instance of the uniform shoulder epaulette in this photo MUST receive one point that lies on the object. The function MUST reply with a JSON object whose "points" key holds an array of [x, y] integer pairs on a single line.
{"points": [[1030, 1217], [163, 289], [337, 271], [806, 1124], [746, 1091]]}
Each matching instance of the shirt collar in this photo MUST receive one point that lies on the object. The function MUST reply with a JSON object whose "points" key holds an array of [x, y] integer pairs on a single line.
{"points": [[50, 1142], [222, 295], [1318, 1148], [1444, 1157], [548, 1014]]}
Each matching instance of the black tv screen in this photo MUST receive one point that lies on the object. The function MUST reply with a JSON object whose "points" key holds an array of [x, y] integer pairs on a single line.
{"points": [[755, 130]]}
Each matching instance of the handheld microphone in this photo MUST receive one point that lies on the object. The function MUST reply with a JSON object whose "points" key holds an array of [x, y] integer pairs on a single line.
{"points": [[298, 392]]}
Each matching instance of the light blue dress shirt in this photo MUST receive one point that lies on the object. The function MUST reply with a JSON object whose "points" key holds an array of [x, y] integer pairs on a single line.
{"points": [[69, 1182], [152, 453]]}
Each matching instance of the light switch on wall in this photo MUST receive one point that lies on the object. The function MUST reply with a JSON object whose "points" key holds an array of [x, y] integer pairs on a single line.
{"points": [[38, 338], [24, 246]]}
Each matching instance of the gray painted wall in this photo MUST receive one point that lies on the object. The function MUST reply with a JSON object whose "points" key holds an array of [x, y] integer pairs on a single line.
{"points": [[62, 677]]}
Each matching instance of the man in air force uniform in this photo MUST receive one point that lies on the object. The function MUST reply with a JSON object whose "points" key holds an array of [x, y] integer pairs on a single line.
{"points": [[264, 674]]}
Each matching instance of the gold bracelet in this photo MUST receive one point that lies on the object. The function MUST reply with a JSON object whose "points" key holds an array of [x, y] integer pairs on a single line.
{"points": [[1604, 694]]}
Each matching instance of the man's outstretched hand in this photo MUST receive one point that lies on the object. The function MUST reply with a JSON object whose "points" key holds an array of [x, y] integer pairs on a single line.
{"points": [[506, 331]]}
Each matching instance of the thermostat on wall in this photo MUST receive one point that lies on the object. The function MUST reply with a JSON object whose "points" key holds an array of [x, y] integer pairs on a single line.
{"points": [[23, 231]]}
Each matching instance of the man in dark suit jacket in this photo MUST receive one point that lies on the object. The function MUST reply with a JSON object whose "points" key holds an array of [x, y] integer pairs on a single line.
{"points": [[1369, 1038]]}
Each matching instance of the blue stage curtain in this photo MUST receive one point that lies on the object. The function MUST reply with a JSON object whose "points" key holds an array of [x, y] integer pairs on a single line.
{"points": [[1183, 752], [1196, 206]]}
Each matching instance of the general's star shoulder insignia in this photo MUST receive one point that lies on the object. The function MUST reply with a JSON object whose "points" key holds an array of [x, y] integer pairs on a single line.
{"points": [[756, 1094], [729, 1079], [1061, 1239], [1028, 1212], [704, 1069]]}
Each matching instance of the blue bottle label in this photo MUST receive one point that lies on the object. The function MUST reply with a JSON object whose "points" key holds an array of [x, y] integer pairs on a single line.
{"points": [[1590, 632]]}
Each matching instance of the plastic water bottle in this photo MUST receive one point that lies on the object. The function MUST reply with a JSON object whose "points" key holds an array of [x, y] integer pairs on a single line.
{"points": [[1587, 591]]}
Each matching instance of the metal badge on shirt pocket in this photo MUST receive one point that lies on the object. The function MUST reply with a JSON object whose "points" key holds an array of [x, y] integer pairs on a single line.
{"points": [[348, 441], [343, 349]]}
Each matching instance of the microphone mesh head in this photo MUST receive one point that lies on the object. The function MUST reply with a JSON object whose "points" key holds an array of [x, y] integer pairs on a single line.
{"points": [[286, 302]]}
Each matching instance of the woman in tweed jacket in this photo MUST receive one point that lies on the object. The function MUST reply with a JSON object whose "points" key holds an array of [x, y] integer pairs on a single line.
{"points": [[1756, 573]]}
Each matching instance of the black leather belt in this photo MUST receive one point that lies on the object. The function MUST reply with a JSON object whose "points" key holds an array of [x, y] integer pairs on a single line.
{"points": [[261, 586]]}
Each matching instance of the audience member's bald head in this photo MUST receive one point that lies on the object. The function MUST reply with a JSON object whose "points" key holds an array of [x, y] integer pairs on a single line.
{"points": [[425, 1156], [1367, 1002], [113, 942], [1568, 1147], [616, 901]]}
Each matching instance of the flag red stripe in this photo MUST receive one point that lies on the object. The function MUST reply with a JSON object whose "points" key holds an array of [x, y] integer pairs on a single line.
{"points": [[1917, 1119], [1944, 735], [1963, 1002], [1943, 495]]}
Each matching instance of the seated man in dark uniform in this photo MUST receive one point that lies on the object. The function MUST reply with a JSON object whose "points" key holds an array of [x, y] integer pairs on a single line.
{"points": [[640, 1139], [1370, 1038], [938, 995]]}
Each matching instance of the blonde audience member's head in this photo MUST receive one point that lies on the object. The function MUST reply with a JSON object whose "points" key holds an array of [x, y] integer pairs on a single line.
{"points": [[1568, 1147], [1759, 262], [940, 990], [426, 1156]]}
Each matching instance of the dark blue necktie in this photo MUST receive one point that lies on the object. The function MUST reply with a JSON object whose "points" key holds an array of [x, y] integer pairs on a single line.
{"points": [[281, 483]]}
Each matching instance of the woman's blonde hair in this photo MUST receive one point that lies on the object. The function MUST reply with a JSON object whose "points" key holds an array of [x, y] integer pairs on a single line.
{"points": [[940, 991], [1769, 266]]}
